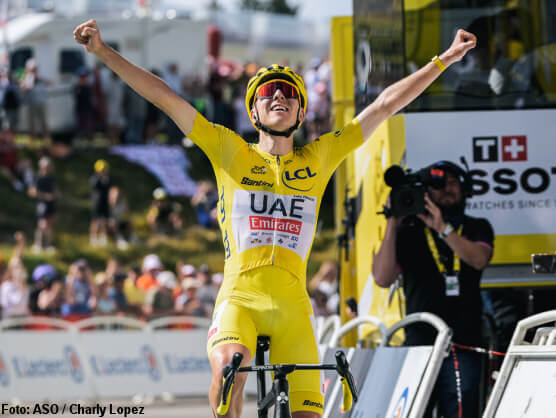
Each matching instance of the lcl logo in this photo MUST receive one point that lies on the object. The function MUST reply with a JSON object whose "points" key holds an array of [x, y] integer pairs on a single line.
{"points": [[513, 148], [300, 174]]}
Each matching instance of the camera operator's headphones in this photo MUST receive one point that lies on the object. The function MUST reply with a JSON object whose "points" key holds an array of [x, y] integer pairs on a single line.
{"points": [[463, 175]]}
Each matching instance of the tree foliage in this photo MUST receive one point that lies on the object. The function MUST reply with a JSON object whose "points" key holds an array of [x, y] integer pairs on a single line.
{"points": [[214, 5], [270, 6]]}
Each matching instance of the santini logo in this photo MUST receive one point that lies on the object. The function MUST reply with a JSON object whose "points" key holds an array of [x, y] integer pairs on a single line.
{"points": [[259, 183]]}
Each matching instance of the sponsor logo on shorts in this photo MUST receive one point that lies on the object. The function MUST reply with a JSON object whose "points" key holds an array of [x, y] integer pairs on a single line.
{"points": [[307, 402], [224, 339], [212, 332]]}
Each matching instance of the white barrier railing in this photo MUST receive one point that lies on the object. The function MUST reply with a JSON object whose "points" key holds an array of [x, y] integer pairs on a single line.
{"points": [[406, 374], [106, 322], [43, 321], [167, 321], [526, 384], [352, 324], [140, 360], [439, 351], [327, 325]]}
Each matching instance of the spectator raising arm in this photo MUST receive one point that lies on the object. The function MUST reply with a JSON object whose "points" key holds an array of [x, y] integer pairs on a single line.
{"points": [[143, 82]]}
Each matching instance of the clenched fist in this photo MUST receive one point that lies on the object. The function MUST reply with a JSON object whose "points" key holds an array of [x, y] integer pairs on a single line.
{"points": [[88, 35]]}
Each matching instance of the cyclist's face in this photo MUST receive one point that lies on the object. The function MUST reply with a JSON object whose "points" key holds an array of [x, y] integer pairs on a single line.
{"points": [[278, 112]]}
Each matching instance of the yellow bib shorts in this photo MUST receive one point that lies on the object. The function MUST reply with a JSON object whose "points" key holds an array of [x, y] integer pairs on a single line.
{"points": [[271, 301]]}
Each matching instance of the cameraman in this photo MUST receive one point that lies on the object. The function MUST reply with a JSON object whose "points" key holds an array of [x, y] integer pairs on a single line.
{"points": [[440, 255]]}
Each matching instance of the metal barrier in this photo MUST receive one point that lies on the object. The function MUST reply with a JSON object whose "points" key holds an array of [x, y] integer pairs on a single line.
{"points": [[439, 352], [327, 325], [545, 336], [168, 321], [43, 321], [393, 381], [103, 357], [526, 384], [108, 322], [348, 326]]}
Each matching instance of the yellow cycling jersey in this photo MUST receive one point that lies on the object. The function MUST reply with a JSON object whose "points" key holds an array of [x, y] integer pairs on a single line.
{"points": [[268, 205]]}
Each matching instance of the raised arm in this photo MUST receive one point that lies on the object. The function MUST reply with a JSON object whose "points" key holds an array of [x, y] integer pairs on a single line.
{"points": [[143, 82], [403, 92]]}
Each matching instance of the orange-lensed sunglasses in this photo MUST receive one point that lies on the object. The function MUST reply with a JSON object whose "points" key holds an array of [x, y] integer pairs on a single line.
{"points": [[267, 90]]}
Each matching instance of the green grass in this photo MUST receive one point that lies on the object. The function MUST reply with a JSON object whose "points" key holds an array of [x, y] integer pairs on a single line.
{"points": [[195, 246]]}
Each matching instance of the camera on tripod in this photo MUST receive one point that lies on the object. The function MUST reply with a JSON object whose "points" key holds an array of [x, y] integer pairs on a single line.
{"points": [[408, 188]]}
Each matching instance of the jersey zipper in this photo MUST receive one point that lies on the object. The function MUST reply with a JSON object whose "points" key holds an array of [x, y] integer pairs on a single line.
{"points": [[277, 184]]}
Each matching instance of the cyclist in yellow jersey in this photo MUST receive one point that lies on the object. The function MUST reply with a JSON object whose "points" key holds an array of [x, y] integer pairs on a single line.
{"points": [[270, 195]]}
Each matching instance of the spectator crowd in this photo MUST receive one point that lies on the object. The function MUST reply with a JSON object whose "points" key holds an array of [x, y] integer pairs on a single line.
{"points": [[147, 291], [104, 106]]}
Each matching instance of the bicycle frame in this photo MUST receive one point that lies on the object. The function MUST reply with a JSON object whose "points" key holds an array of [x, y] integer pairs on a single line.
{"points": [[279, 394]]}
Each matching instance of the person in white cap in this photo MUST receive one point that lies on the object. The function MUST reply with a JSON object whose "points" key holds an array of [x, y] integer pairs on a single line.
{"points": [[152, 266], [184, 271]]}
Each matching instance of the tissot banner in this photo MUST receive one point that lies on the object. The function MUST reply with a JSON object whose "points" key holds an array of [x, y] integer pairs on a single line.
{"points": [[511, 155]]}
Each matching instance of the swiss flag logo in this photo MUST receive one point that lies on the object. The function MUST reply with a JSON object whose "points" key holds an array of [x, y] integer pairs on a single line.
{"points": [[514, 148]]}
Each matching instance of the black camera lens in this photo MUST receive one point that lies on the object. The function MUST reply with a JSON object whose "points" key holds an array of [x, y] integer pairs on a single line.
{"points": [[407, 199]]}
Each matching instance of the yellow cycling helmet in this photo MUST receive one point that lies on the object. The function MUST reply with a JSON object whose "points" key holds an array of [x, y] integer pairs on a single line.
{"points": [[101, 165], [275, 72]]}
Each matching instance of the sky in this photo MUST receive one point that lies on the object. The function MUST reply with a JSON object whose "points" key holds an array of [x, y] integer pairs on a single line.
{"points": [[322, 9], [308, 9]]}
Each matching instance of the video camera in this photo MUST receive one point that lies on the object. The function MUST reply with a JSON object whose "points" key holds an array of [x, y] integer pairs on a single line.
{"points": [[408, 188]]}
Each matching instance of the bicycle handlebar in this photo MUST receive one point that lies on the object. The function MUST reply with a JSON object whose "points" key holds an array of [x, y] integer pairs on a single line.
{"points": [[228, 376], [349, 389]]}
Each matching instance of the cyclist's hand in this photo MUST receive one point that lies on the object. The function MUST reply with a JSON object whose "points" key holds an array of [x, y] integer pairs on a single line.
{"points": [[88, 35], [228, 376], [462, 43]]}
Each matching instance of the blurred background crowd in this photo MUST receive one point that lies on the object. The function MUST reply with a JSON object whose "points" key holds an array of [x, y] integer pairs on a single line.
{"points": [[110, 113], [146, 290]]}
